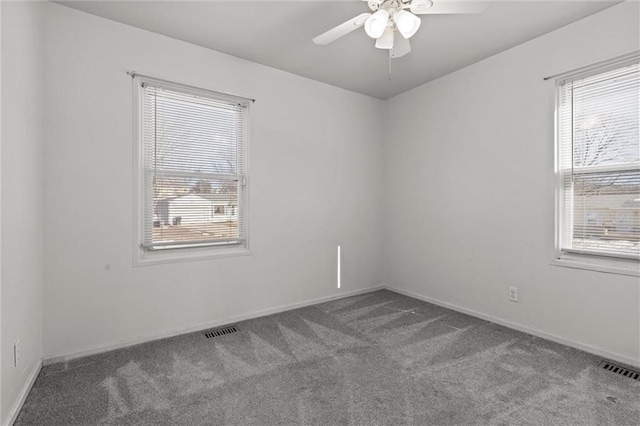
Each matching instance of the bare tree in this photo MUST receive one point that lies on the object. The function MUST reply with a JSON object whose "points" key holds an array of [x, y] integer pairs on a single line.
{"points": [[610, 140]]}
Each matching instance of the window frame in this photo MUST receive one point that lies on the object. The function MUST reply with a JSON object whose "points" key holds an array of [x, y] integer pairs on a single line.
{"points": [[142, 256], [575, 258]]}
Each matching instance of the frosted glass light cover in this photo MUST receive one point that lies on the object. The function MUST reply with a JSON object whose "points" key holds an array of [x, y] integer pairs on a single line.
{"points": [[401, 47], [376, 24], [386, 39], [407, 23]]}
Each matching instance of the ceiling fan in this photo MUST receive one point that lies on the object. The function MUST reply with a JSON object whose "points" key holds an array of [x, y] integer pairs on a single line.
{"points": [[393, 22]]}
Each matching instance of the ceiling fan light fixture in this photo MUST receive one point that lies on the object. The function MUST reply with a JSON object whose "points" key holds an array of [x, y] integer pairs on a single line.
{"points": [[376, 24], [407, 23], [403, 16], [385, 41]]}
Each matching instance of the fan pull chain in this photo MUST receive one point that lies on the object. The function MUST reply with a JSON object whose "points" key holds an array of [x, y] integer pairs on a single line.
{"points": [[389, 65]]}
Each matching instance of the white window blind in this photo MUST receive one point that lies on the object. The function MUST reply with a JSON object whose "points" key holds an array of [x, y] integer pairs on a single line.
{"points": [[599, 162], [192, 173]]}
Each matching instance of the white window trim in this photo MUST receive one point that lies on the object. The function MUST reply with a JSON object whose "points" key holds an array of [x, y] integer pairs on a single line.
{"points": [[597, 263], [143, 257], [575, 259]]}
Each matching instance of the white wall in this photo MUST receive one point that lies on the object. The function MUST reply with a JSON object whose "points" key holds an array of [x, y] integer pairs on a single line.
{"points": [[2, 416], [21, 199], [315, 172], [470, 163]]}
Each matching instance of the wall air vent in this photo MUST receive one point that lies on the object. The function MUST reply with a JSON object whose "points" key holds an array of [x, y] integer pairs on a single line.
{"points": [[221, 331], [620, 370]]}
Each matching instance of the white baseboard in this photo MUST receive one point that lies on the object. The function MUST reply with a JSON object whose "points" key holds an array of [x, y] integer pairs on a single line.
{"points": [[534, 332], [94, 350], [17, 406], [53, 359]]}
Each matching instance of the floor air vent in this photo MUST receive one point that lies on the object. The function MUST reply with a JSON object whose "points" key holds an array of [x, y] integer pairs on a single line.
{"points": [[620, 370], [221, 332]]}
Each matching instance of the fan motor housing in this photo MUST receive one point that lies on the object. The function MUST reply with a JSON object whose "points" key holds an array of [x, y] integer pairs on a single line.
{"points": [[396, 5], [374, 4]]}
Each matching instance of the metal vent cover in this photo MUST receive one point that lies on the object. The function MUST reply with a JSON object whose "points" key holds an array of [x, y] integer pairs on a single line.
{"points": [[620, 370], [221, 331]]}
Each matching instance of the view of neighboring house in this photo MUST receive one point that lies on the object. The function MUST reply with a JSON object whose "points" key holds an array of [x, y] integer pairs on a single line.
{"points": [[607, 219], [194, 209]]}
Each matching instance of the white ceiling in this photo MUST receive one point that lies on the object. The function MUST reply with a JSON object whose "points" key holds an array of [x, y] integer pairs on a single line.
{"points": [[279, 33]]}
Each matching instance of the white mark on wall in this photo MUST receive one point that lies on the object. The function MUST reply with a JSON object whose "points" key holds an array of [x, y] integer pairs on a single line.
{"points": [[338, 277]]}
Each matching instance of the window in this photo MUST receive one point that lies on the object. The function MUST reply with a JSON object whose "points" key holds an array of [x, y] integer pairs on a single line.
{"points": [[598, 164], [191, 169]]}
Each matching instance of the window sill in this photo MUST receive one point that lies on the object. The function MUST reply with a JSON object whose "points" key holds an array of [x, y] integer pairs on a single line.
{"points": [[148, 258], [599, 264]]}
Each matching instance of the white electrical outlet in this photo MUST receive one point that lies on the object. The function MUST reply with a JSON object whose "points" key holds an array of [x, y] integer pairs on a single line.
{"points": [[16, 353], [513, 294]]}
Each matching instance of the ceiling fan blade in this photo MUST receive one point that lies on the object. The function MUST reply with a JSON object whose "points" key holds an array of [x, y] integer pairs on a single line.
{"points": [[426, 7], [401, 47], [342, 29]]}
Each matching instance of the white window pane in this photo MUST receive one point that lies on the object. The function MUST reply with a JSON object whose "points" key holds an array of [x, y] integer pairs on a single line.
{"points": [[606, 212], [605, 122]]}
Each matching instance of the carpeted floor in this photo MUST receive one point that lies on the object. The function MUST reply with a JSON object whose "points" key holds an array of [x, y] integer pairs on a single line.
{"points": [[380, 358]]}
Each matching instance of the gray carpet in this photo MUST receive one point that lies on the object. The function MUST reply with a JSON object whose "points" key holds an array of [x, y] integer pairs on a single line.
{"points": [[379, 358]]}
